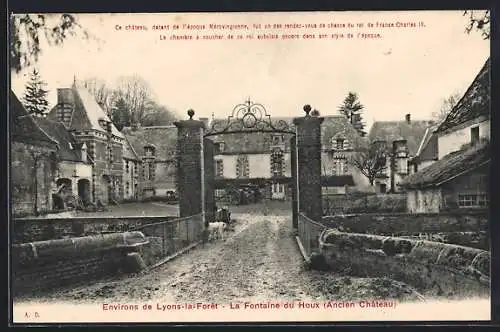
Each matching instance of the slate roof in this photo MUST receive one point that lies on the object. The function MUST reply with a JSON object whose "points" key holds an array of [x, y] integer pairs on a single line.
{"points": [[68, 147], [412, 132], [450, 166], [87, 112], [164, 138], [474, 103], [332, 126], [129, 151], [23, 127]]}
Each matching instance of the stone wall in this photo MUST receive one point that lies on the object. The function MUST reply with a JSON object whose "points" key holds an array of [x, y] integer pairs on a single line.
{"points": [[45, 265], [22, 179], [404, 223], [433, 269], [33, 229], [466, 228]]}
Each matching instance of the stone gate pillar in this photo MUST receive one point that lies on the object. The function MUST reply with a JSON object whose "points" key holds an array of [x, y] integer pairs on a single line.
{"points": [[308, 131], [190, 170], [209, 169], [293, 160]]}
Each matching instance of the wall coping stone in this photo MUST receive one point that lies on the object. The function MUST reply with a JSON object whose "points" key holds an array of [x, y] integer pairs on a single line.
{"points": [[455, 258], [71, 247]]}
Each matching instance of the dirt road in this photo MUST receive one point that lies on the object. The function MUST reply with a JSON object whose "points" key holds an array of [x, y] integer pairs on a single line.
{"points": [[258, 261]]}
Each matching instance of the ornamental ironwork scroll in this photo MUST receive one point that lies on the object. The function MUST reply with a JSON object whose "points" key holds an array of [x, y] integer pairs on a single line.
{"points": [[248, 117]]}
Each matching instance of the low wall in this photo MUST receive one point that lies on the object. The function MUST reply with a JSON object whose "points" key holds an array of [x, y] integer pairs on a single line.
{"points": [[34, 229], [50, 264], [432, 268], [392, 223]]}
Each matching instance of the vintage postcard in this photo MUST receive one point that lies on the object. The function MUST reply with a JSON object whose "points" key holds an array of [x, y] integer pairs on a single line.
{"points": [[250, 167]]}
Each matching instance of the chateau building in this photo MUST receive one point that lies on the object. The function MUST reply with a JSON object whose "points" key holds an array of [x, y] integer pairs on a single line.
{"points": [[81, 115], [459, 178], [154, 148]]}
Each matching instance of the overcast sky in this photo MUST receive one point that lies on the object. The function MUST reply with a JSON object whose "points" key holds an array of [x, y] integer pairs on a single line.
{"points": [[408, 70]]}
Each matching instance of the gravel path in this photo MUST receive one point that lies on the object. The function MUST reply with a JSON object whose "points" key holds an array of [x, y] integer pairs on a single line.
{"points": [[259, 260]]}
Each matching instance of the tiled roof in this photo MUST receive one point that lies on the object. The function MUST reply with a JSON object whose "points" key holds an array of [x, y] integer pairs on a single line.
{"points": [[412, 132], [164, 138], [449, 166], [64, 138], [474, 103], [87, 112], [23, 127]]}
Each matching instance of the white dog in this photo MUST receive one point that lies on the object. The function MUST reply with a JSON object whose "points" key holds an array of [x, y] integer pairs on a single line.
{"points": [[216, 230]]}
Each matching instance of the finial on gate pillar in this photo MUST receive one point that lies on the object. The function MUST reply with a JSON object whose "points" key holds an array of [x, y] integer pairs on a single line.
{"points": [[190, 114], [307, 109]]}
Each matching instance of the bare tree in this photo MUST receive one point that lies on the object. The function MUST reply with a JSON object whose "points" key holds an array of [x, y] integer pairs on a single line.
{"points": [[479, 20], [446, 106], [136, 94], [102, 93], [371, 161]]}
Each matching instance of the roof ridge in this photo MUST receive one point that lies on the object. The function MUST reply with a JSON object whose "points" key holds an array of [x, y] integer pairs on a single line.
{"points": [[453, 112]]}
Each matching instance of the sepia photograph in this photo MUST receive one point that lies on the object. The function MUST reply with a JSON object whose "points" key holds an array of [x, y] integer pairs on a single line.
{"points": [[327, 166]]}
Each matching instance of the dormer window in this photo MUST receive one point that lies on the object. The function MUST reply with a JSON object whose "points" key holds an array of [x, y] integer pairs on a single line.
{"points": [[149, 150], [102, 123], [219, 147], [106, 125], [278, 139], [338, 143]]}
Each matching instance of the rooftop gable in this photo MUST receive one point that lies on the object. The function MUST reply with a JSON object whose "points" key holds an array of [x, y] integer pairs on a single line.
{"points": [[412, 131], [86, 113], [68, 147], [473, 104], [23, 127], [450, 166], [164, 138]]}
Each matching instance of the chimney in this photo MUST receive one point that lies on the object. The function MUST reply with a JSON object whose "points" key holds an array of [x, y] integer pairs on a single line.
{"points": [[205, 122], [65, 106], [408, 118]]}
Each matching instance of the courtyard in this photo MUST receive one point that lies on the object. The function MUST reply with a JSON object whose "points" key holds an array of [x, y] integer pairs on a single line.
{"points": [[155, 209]]}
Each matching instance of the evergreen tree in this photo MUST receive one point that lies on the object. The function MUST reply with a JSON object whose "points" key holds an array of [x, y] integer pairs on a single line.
{"points": [[120, 114], [351, 108], [35, 95]]}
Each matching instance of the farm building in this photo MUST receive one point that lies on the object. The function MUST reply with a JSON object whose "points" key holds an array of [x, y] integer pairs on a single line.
{"points": [[460, 176]]}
